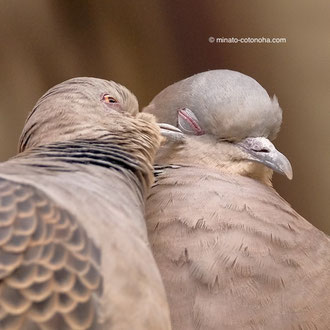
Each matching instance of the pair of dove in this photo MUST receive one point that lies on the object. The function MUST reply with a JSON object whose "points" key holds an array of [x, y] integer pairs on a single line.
{"points": [[77, 214]]}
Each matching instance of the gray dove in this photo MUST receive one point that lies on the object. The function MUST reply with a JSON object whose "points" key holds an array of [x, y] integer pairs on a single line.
{"points": [[232, 253], [74, 252]]}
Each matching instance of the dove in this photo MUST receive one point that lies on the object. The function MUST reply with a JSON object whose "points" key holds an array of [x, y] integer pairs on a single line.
{"points": [[74, 252], [231, 252]]}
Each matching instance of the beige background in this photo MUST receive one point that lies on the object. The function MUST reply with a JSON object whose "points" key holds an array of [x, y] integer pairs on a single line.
{"points": [[147, 45]]}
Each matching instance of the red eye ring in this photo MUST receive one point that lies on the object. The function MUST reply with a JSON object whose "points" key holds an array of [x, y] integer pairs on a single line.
{"points": [[106, 98]]}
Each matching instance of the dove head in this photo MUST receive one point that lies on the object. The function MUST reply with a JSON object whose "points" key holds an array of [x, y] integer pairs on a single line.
{"points": [[76, 108], [228, 119]]}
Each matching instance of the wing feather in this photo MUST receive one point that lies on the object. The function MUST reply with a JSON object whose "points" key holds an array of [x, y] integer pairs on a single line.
{"points": [[49, 267]]}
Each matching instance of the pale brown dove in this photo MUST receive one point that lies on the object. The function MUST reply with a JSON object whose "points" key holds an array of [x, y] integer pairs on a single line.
{"points": [[232, 253], [73, 243]]}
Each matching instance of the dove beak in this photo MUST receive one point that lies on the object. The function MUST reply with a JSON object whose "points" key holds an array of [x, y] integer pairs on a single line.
{"points": [[261, 150], [171, 133]]}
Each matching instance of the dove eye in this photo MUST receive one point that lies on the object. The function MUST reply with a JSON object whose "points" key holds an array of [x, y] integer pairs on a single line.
{"points": [[106, 98]]}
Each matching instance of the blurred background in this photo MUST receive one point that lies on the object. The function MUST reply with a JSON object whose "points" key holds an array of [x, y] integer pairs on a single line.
{"points": [[149, 44]]}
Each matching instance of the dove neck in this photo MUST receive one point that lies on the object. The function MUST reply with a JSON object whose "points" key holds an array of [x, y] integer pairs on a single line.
{"points": [[117, 141], [208, 152], [107, 154]]}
